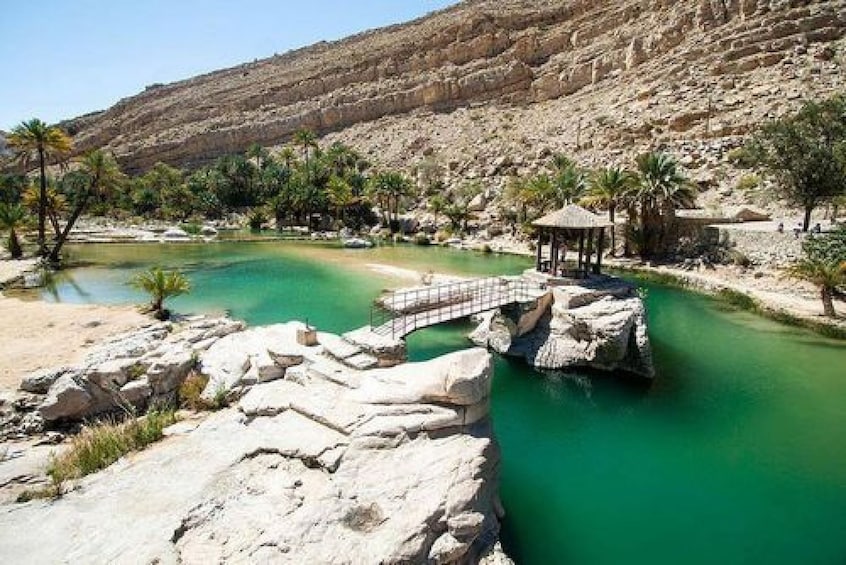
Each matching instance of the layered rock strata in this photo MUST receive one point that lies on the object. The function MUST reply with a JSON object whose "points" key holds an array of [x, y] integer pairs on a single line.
{"points": [[564, 72], [317, 463]]}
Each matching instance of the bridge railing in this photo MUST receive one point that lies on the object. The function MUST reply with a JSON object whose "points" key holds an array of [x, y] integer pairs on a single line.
{"points": [[401, 312]]}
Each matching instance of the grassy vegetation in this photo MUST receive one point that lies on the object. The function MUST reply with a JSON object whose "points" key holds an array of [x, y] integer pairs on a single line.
{"points": [[191, 390], [102, 444], [738, 301], [190, 394], [650, 277], [99, 446]]}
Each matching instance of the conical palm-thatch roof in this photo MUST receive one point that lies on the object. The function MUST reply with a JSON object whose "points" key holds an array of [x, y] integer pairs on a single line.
{"points": [[572, 217]]}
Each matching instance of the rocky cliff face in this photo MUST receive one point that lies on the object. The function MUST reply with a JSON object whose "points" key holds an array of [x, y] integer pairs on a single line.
{"points": [[484, 79]]}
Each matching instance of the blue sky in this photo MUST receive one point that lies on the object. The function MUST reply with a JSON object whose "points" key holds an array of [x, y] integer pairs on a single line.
{"points": [[63, 58]]}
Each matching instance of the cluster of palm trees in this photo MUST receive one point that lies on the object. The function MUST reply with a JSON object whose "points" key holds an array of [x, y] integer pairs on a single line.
{"points": [[36, 145], [650, 195], [302, 184]]}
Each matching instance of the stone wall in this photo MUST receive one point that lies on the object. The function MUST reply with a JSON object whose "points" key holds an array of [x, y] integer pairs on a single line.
{"points": [[763, 248]]}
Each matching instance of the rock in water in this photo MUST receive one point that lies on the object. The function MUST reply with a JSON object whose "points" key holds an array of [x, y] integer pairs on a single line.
{"points": [[601, 326]]}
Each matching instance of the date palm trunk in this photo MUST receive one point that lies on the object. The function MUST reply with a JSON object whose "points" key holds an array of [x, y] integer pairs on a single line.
{"points": [[14, 245], [42, 203], [828, 302], [56, 252]]}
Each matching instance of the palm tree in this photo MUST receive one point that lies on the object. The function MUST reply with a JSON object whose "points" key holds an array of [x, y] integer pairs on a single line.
{"points": [[11, 218], [560, 161], [341, 159], [36, 140], [161, 285], [307, 140], [287, 156], [389, 189], [825, 274], [437, 204], [259, 153], [458, 215], [569, 185], [56, 204], [539, 193], [340, 195], [608, 187], [99, 174], [661, 189]]}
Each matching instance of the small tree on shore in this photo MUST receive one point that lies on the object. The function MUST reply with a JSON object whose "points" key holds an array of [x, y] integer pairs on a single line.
{"points": [[12, 218], [824, 265], [660, 190], [806, 153], [608, 188], [161, 285]]}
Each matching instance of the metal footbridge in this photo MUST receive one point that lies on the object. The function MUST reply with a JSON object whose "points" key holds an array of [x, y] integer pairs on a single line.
{"points": [[398, 313]]}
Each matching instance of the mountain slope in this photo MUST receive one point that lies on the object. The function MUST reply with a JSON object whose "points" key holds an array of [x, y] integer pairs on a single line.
{"points": [[490, 78]]}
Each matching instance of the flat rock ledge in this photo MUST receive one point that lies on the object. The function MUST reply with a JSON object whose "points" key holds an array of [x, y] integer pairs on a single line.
{"points": [[598, 324], [315, 462]]}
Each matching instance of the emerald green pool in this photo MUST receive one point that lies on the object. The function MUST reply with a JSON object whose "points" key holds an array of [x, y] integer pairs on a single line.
{"points": [[735, 454]]}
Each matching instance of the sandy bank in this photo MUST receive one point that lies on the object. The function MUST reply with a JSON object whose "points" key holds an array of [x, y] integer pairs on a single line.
{"points": [[35, 335]]}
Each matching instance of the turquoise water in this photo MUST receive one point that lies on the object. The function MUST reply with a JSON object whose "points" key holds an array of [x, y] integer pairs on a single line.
{"points": [[735, 454]]}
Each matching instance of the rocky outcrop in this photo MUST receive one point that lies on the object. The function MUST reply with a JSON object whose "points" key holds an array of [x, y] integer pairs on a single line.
{"points": [[323, 465], [599, 324], [128, 371], [489, 78]]}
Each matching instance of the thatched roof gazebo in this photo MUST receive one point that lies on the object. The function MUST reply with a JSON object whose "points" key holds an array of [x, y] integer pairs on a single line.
{"points": [[557, 226]]}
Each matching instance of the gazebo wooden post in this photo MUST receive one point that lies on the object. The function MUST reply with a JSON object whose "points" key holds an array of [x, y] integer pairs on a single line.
{"points": [[597, 269], [553, 253], [581, 249], [539, 250], [560, 225], [589, 251]]}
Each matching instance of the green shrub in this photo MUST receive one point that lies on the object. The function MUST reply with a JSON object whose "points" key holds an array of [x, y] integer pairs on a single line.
{"points": [[748, 182], [741, 158], [136, 371], [220, 399], [256, 219], [421, 239], [191, 390], [191, 228], [738, 300]]}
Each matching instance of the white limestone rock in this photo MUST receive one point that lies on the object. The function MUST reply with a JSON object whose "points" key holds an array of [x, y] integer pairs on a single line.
{"points": [[136, 392], [602, 326], [461, 378], [111, 374], [228, 361], [168, 366], [312, 470]]}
